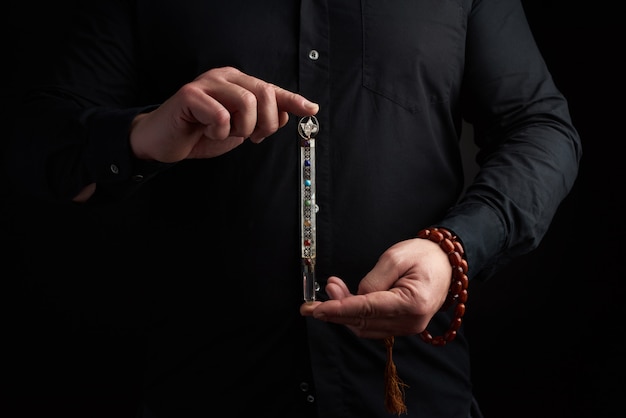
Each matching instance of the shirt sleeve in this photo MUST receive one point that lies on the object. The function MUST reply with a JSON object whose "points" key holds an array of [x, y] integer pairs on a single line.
{"points": [[74, 123], [529, 150]]}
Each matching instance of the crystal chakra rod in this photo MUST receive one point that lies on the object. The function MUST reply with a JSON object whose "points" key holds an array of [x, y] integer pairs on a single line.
{"points": [[308, 127]]}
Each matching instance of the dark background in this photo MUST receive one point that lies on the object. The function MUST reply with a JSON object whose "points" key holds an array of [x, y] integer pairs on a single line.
{"points": [[546, 332]]}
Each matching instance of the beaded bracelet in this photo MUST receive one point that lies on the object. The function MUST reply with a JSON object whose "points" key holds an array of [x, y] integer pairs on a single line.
{"points": [[457, 293]]}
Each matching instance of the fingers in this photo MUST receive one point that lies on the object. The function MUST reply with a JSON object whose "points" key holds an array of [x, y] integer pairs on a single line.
{"points": [[214, 114], [376, 314], [294, 103], [267, 119], [252, 108], [206, 110]]}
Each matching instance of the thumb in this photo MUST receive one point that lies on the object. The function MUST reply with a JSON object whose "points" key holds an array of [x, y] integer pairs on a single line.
{"points": [[336, 288]]}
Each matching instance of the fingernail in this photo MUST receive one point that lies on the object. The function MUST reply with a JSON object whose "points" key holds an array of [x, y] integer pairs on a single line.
{"points": [[312, 106]]}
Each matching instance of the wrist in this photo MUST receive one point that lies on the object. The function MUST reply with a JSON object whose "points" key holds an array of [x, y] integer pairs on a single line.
{"points": [[457, 292]]}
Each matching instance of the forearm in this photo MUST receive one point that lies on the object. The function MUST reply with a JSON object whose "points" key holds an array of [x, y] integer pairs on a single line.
{"points": [[509, 206], [59, 151]]}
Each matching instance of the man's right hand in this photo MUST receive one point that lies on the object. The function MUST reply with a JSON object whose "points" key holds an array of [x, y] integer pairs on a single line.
{"points": [[213, 114]]}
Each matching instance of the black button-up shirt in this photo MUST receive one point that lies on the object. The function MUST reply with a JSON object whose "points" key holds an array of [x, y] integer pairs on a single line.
{"points": [[212, 246]]}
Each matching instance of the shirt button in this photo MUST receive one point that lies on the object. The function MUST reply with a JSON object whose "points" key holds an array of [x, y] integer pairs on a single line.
{"points": [[310, 399], [304, 386], [314, 55], [114, 169]]}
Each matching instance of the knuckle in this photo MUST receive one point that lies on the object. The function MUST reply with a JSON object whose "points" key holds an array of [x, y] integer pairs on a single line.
{"points": [[265, 90], [248, 99], [221, 117], [188, 90]]}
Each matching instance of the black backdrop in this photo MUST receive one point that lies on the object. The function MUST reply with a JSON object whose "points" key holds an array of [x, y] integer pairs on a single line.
{"points": [[546, 333]]}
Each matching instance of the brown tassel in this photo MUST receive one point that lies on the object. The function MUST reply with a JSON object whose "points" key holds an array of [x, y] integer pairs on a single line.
{"points": [[394, 386]]}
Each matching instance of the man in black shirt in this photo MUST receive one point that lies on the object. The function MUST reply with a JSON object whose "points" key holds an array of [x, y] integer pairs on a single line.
{"points": [[214, 158]]}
